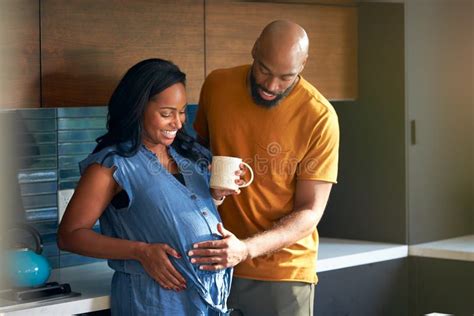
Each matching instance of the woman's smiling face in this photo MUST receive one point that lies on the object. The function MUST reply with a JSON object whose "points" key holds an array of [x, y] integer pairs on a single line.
{"points": [[164, 116]]}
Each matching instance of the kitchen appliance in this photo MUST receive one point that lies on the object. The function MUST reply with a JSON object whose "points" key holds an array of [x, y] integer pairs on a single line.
{"points": [[26, 269]]}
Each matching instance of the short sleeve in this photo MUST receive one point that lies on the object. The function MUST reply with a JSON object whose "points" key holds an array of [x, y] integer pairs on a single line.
{"points": [[200, 122], [109, 158], [320, 161]]}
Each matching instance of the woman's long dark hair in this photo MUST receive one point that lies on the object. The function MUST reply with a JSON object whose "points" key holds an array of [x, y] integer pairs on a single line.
{"points": [[127, 107]]}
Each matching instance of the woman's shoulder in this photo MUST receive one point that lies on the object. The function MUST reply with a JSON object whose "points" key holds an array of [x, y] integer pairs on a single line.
{"points": [[108, 156]]}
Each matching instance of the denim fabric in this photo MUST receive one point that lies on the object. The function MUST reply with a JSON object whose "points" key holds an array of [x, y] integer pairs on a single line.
{"points": [[162, 210]]}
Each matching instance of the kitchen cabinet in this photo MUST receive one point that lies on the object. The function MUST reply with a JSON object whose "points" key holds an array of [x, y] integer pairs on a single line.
{"points": [[87, 45], [440, 162], [233, 26], [60, 55], [19, 54], [440, 100], [391, 189]]}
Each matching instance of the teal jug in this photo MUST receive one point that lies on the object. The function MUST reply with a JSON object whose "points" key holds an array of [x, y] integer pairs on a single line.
{"points": [[27, 267]]}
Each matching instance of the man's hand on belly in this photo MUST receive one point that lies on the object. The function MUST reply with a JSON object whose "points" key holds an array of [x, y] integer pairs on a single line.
{"points": [[215, 255]]}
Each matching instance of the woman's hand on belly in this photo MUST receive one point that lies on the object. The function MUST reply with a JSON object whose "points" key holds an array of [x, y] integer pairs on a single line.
{"points": [[155, 261]]}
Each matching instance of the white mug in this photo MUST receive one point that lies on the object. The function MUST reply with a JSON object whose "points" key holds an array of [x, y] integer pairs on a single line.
{"points": [[223, 173]]}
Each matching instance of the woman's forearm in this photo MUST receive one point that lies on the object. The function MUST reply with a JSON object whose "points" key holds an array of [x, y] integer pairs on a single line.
{"points": [[87, 242]]}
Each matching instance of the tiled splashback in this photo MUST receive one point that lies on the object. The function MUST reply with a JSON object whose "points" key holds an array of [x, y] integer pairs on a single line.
{"points": [[50, 143]]}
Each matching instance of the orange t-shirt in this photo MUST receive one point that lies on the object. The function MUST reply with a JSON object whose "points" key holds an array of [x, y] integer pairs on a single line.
{"points": [[297, 139]]}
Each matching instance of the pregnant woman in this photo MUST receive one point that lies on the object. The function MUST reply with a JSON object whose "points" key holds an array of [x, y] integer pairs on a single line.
{"points": [[148, 183]]}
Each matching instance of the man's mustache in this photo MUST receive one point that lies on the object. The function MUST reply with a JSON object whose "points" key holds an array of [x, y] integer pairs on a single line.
{"points": [[269, 92]]}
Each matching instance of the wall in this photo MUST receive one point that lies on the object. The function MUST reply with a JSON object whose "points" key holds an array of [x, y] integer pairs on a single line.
{"points": [[7, 190], [440, 97], [369, 200], [44, 148]]}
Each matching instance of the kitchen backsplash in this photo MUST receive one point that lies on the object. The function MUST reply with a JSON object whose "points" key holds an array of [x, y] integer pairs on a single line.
{"points": [[49, 144]]}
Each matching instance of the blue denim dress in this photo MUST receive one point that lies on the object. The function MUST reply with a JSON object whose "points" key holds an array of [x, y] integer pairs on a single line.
{"points": [[162, 210]]}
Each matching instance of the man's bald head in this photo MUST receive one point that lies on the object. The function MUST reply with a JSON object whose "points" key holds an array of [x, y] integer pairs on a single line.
{"points": [[283, 41], [279, 55]]}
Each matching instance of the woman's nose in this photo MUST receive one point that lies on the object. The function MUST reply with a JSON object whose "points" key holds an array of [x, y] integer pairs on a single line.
{"points": [[177, 121]]}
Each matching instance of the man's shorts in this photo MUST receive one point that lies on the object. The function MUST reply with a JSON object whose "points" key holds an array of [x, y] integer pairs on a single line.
{"points": [[270, 298]]}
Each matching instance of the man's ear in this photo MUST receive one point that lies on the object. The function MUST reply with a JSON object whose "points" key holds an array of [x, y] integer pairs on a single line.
{"points": [[254, 49], [304, 62]]}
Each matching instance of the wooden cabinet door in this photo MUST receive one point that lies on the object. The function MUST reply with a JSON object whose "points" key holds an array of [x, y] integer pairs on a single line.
{"points": [[233, 26], [19, 54], [87, 45]]}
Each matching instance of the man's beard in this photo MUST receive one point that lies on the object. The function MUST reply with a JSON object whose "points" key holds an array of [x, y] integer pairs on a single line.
{"points": [[254, 87]]}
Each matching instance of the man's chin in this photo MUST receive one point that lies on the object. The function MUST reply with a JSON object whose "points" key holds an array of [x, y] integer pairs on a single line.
{"points": [[266, 103], [257, 91]]}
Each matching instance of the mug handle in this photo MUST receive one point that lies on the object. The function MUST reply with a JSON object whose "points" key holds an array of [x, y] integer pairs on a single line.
{"points": [[251, 175]]}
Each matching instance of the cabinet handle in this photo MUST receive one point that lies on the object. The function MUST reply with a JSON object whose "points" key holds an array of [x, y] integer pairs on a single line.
{"points": [[413, 132]]}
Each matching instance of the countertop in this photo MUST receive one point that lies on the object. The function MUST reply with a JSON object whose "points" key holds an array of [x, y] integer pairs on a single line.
{"points": [[93, 280], [459, 248], [343, 253]]}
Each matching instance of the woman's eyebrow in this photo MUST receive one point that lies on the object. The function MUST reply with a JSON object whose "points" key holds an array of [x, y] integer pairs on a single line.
{"points": [[166, 107]]}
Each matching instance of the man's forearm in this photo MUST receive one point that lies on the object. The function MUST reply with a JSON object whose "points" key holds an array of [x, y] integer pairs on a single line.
{"points": [[310, 201], [286, 231]]}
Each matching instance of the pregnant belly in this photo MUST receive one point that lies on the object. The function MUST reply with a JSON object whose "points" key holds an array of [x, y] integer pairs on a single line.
{"points": [[198, 227]]}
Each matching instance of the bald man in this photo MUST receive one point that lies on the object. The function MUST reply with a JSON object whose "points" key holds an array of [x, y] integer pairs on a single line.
{"points": [[269, 115]]}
